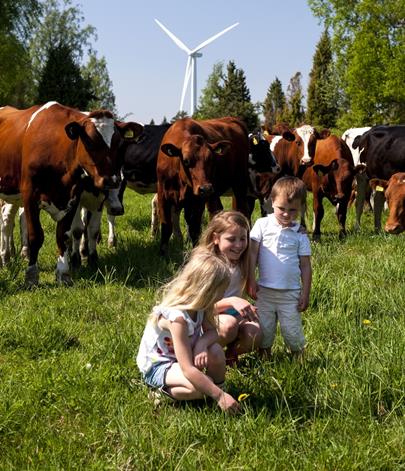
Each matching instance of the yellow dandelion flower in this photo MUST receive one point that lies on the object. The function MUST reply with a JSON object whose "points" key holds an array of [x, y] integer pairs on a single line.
{"points": [[243, 397], [366, 322], [333, 385]]}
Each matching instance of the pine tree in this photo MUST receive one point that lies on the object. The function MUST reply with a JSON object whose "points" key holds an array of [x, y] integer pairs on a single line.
{"points": [[274, 104], [227, 95], [61, 80], [210, 98], [294, 112], [235, 99], [322, 106], [96, 73]]}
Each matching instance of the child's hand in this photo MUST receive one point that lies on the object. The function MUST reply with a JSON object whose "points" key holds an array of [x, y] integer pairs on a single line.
{"points": [[201, 360], [252, 289], [303, 303], [246, 310], [228, 404]]}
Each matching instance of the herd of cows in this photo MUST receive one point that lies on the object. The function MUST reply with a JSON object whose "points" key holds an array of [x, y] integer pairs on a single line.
{"points": [[71, 164]]}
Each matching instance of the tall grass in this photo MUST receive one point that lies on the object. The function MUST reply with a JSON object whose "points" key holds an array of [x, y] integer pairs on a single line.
{"points": [[71, 396]]}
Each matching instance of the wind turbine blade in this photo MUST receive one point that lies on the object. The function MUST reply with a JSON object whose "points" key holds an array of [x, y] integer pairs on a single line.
{"points": [[173, 37], [185, 83], [213, 38]]}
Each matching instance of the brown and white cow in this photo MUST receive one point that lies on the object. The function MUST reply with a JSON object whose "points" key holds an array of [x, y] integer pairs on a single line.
{"points": [[56, 150], [330, 176], [394, 192], [295, 149], [199, 161]]}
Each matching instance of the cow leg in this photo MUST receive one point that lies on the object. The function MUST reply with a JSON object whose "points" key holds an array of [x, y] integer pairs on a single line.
{"points": [[178, 235], [379, 200], [318, 216], [214, 205], [154, 221], [93, 232], [193, 212], [77, 231], [24, 253], [8, 212], [112, 237], [166, 226], [362, 184], [64, 235], [35, 239], [241, 201], [341, 212]]}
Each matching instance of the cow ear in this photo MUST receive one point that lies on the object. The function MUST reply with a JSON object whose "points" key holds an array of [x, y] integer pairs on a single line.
{"points": [[288, 136], [320, 170], [73, 130], [360, 169], [170, 150], [129, 131], [221, 147], [378, 184], [324, 134]]}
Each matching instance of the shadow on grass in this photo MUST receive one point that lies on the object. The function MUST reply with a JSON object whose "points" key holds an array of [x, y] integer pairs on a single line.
{"points": [[135, 263]]}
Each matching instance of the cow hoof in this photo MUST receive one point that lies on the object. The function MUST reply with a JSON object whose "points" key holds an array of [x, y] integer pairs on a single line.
{"points": [[316, 237], [92, 260], [342, 235], [64, 278], [25, 253], [31, 277], [75, 261]]}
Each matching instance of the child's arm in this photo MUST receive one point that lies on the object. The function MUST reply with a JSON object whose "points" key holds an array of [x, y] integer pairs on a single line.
{"points": [[197, 378], [251, 286], [242, 306], [200, 351], [306, 279]]}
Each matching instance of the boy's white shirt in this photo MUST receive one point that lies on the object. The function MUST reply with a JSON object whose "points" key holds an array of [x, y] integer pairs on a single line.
{"points": [[279, 251]]}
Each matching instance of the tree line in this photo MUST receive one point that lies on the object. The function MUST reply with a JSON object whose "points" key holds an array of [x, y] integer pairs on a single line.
{"points": [[356, 79], [46, 53]]}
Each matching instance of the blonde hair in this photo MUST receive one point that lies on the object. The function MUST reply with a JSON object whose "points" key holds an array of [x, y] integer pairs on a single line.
{"points": [[291, 187], [219, 224], [199, 284]]}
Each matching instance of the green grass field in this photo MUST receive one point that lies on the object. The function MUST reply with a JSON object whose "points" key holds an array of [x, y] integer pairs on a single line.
{"points": [[71, 396]]}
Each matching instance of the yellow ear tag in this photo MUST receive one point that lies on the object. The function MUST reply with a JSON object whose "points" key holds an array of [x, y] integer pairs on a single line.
{"points": [[319, 173], [242, 397], [379, 188], [219, 151], [255, 142], [129, 134]]}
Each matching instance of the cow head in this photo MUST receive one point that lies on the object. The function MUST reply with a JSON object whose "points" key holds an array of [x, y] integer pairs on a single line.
{"points": [[262, 164], [336, 179], [394, 190], [305, 139], [98, 141], [197, 157]]}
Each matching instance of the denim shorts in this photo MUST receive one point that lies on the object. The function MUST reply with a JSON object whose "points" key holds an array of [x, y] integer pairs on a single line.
{"points": [[156, 376]]}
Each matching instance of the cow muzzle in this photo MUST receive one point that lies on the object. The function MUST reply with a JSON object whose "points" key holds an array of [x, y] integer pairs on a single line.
{"points": [[394, 228], [205, 190]]}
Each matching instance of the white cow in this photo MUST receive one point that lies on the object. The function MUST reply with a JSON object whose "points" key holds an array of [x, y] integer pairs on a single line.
{"points": [[361, 177]]}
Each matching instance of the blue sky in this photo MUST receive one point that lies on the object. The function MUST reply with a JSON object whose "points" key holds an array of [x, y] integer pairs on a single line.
{"points": [[273, 39]]}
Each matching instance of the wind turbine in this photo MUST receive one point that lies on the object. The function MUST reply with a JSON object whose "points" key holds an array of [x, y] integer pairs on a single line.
{"points": [[191, 67]]}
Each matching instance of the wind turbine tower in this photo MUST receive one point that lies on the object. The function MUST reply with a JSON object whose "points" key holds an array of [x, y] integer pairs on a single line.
{"points": [[191, 67]]}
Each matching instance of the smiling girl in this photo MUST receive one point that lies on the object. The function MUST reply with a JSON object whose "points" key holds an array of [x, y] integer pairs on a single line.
{"points": [[227, 236]]}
